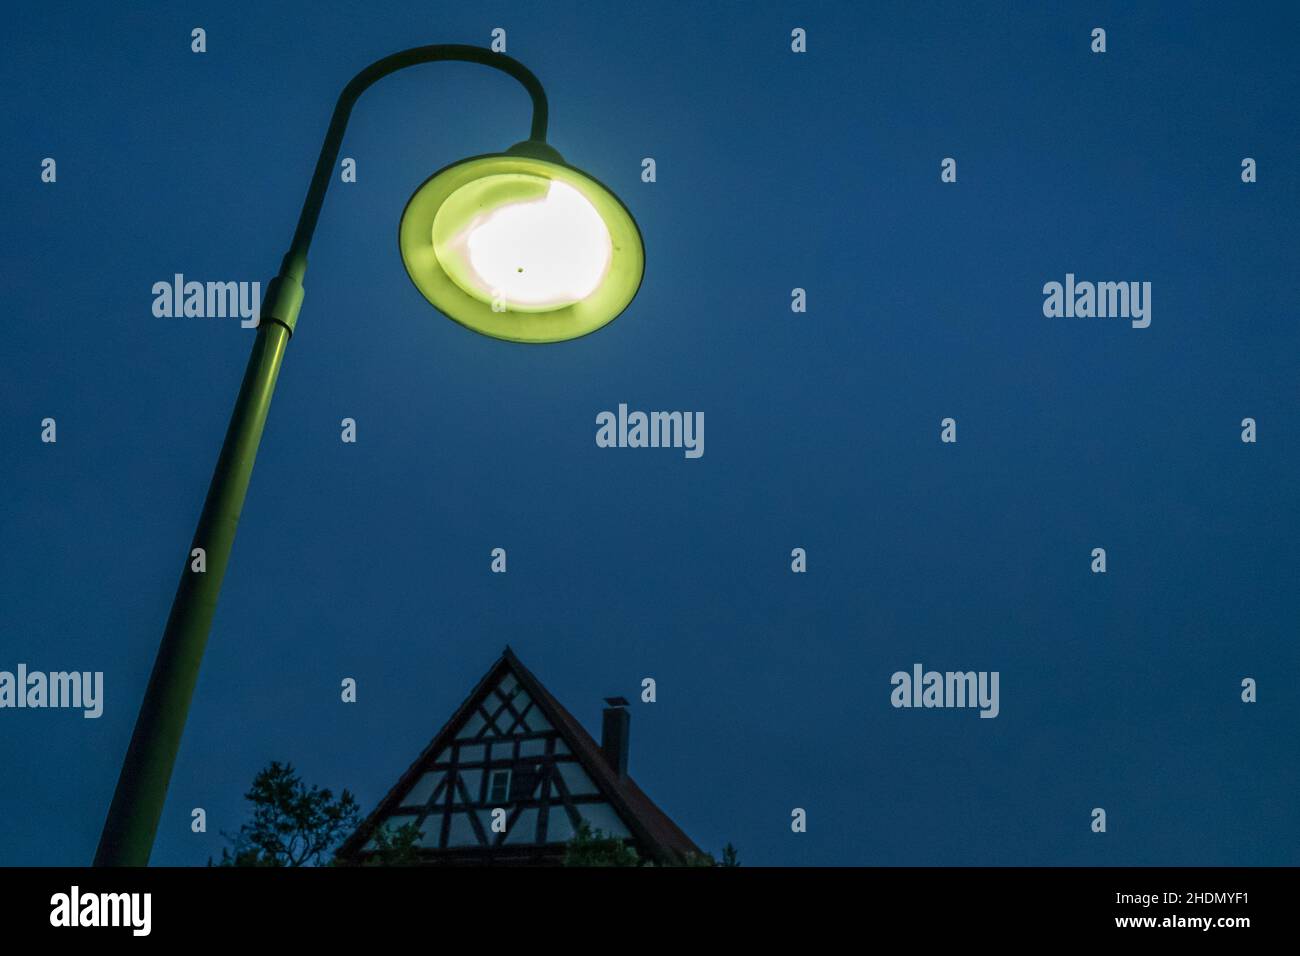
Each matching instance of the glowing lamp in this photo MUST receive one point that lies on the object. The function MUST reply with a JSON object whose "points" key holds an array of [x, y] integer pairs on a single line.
{"points": [[521, 246]]}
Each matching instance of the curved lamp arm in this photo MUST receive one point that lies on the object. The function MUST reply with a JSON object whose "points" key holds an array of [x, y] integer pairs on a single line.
{"points": [[132, 822], [284, 293]]}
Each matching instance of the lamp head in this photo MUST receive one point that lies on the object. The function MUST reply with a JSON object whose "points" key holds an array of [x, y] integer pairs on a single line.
{"points": [[521, 246]]}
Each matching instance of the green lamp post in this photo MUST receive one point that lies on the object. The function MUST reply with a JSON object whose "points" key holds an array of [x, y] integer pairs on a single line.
{"points": [[516, 245]]}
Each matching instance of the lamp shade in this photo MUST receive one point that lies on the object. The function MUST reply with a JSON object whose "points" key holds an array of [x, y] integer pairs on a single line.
{"points": [[521, 246]]}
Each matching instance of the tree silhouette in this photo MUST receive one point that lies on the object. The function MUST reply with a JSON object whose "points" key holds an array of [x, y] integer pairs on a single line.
{"points": [[396, 846], [593, 848], [293, 824]]}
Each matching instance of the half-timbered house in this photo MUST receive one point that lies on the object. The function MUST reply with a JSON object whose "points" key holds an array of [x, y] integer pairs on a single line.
{"points": [[512, 748]]}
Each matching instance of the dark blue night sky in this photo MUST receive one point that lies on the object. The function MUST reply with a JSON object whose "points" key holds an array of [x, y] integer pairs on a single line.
{"points": [[775, 171]]}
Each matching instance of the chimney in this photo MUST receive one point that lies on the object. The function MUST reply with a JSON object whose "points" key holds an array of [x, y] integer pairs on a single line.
{"points": [[614, 727]]}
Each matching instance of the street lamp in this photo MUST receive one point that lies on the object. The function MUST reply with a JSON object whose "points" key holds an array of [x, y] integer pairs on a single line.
{"points": [[516, 245], [520, 246]]}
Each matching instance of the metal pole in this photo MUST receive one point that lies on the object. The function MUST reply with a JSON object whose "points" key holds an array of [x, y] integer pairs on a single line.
{"points": [[142, 787], [133, 816]]}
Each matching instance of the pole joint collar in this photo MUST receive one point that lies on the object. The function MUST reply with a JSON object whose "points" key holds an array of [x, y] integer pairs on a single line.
{"points": [[284, 295]]}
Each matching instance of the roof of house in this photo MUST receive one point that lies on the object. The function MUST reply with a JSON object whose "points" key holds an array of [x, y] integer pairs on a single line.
{"points": [[653, 830]]}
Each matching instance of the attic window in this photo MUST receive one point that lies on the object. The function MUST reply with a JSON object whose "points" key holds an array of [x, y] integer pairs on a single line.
{"points": [[499, 786]]}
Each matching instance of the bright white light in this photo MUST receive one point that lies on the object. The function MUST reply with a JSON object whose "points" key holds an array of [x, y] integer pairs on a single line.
{"points": [[542, 253]]}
